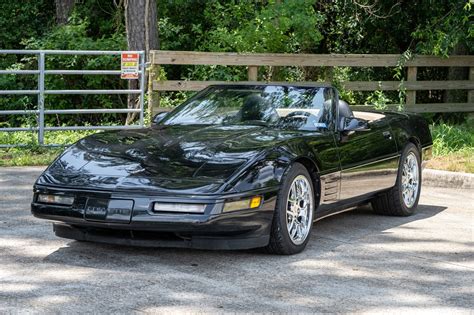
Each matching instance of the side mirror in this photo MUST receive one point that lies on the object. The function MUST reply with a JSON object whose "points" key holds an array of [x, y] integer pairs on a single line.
{"points": [[353, 124], [159, 117]]}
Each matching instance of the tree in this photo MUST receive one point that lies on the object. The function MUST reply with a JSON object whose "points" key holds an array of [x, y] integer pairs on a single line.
{"points": [[142, 34], [63, 9]]}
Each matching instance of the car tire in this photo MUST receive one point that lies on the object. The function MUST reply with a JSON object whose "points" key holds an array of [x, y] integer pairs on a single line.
{"points": [[293, 213], [402, 199]]}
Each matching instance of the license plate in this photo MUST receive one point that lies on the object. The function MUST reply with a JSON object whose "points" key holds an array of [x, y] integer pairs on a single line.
{"points": [[96, 209], [109, 210]]}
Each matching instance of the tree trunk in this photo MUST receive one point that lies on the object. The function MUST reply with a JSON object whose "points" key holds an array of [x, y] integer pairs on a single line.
{"points": [[63, 9], [142, 34]]}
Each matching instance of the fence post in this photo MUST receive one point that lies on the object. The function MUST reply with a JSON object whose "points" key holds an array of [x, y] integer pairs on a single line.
{"points": [[330, 74], [252, 73], [142, 85], [41, 68], [153, 96], [411, 94], [150, 83], [470, 95]]}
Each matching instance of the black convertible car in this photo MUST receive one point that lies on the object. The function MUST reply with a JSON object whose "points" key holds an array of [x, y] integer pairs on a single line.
{"points": [[235, 167]]}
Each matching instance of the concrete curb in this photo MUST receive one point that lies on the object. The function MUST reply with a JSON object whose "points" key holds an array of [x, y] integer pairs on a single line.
{"points": [[445, 179]]}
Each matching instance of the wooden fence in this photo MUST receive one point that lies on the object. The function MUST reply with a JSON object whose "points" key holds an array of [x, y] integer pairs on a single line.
{"points": [[253, 61]]}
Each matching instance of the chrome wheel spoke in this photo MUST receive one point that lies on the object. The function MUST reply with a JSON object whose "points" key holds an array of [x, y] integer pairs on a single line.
{"points": [[304, 223], [292, 224], [409, 180], [299, 232], [294, 230], [300, 204]]}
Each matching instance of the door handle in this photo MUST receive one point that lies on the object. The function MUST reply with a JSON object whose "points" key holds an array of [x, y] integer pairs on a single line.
{"points": [[387, 135]]}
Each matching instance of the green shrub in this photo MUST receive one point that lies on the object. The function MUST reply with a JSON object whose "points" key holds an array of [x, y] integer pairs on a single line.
{"points": [[30, 139], [452, 138]]}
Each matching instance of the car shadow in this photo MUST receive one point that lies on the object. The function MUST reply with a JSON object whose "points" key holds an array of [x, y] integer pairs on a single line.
{"points": [[327, 234]]}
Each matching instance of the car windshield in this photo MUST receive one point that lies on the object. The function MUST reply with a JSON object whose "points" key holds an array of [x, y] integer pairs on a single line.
{"points": [[283, 107]]}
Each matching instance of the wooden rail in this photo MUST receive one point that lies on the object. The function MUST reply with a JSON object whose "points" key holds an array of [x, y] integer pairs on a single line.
{"points": [[253, 61]]}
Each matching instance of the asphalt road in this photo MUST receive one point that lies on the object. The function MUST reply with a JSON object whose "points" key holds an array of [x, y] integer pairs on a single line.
{"points": [[354, 262]]}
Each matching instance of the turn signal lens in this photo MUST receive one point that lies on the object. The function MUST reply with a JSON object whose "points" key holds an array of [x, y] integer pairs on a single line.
{"points": [[248, 203], [255, 202], [55, 199]]}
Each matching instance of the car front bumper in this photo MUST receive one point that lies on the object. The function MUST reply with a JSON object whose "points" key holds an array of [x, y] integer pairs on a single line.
{"points": [[133, 221]]}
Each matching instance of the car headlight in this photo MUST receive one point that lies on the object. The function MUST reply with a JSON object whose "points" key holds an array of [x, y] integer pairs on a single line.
{"points": [[56, 199], [247, 203], [178, 207]]}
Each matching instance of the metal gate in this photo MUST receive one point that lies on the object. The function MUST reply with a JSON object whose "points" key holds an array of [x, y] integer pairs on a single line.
{"points": [[41, 92]]}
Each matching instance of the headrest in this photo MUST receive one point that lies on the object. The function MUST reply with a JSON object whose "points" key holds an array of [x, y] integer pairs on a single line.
{"points": [[344, 109]]}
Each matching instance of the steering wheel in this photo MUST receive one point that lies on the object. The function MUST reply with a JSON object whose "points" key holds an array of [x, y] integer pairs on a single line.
{"points": [[299, 120], [299, 114]]}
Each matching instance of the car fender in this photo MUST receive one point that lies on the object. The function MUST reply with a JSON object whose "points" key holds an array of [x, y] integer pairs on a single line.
{"points": [[266, 170]]}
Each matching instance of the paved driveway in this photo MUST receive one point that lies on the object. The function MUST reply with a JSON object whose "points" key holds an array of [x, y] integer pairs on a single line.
{"points": [[355, 262]]}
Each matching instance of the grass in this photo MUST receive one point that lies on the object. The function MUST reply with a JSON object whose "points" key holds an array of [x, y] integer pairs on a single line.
{"points": [[28, 156], [453, 147], [448, 139], [462, 161], [32, 153]]}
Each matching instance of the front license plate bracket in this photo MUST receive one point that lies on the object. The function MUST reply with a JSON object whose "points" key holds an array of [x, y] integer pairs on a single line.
{"points": [[108, 210]]}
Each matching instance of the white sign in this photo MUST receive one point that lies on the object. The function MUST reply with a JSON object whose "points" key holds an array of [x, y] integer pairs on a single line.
{"points": [[129, 65]]}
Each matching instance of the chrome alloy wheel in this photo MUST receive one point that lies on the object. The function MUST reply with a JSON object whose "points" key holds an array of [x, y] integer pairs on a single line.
{"points": [[410, 179], [299, 209]]}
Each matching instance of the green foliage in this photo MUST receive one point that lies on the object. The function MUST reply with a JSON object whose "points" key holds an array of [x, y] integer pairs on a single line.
{"points": [[73, 36], [444, 32], [173, 37], [378, 99], [173, 99], [289, 26], [28, 156], [439, 27], [30, 139], [239, 26], [399, 75], [21, 20], [452, 138], [341, 74], [32, 153], [79, 34]]}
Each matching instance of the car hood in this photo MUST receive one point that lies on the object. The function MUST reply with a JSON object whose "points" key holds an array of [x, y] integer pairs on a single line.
{"points": [[164, 158]]}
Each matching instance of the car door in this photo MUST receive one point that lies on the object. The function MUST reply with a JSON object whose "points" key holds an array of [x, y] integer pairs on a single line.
{"points": [[324, 146], [368, 158]]}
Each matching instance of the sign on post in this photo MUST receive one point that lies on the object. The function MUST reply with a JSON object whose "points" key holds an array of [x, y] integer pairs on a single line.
{"points": [[129, 65]]}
